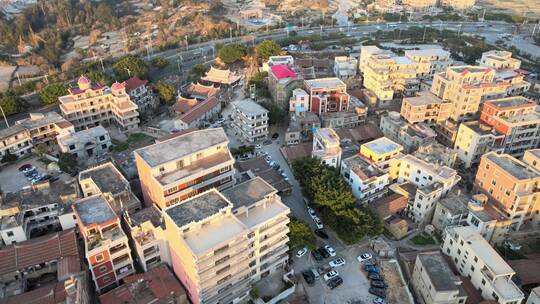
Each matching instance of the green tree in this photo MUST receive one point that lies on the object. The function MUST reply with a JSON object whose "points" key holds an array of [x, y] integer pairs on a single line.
{"points": [[231, 53], [8, 157], [50, 93], [166, 92], [267, 48], [159, 62], [198, 70], [300, 235], [128, 66], [10, 103], [276, 115], [67, 162]]}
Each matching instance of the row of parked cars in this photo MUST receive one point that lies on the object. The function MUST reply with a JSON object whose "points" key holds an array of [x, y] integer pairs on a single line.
{"points": [[33, 175], [377, 283]]}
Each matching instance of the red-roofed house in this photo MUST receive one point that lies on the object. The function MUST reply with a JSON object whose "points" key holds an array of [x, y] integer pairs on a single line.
{"points": [[155, 286], [139, 93], [282, 80], [193, 113]]}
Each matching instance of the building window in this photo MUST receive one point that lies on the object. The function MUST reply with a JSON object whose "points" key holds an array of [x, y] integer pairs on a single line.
{"points": [[99, 258], [72, 147], [483, 282], [10, 233], [472, 268], [102, 268], [102, 138]]}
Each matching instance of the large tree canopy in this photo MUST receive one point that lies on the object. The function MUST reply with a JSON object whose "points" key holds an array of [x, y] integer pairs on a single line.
{"points": [[300, 235], [166, 92], [268, 48], [50, 93], [129, 66], [231, 53]]}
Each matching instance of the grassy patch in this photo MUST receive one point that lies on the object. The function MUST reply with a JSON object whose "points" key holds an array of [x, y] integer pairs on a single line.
{"points": [[421, 239], [134, 140]]}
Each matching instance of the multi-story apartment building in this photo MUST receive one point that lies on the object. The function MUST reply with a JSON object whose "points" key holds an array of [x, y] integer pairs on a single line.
{"points": [[106, 245], [499, 60], [438, 60], [90, 105], [425, 107], [287, 60], [410, 136], [85, 144], [327, 95], [367, 181], [221, 244], [451, 210], [326, 147], [141, 95], [488, 221], [380, 150], [250, 120], [532, 158], [282, 80], [147, 232], [345, 68], [299, 101], [38, 129], [105, 179], [180, 167], [516, 118], [458, 4], [475, 258], [475, 139], [467, 87], [435, 282], [511, 187]]}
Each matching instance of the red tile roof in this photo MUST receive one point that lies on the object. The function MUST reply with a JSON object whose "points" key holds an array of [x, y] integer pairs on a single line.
{"points": [[183, 105], [134, 82], [156, 284], [282, 71], [39, 250], [68, 265], [49, 294], [199, 110], [389, 205]]}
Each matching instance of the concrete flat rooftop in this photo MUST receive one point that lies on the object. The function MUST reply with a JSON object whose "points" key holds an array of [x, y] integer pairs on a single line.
{"points": [[183, 145], [424, 98], [197, 208], [213, 234], [513, 166], [439, 272], [263, 213], [325, 83], [94, 210], [106, 178], [512, 102], [249, 192], [249, 107], [383, 145]]}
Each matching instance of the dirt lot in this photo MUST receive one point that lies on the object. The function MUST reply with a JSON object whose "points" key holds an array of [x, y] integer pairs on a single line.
{"points": [[517, 7]]}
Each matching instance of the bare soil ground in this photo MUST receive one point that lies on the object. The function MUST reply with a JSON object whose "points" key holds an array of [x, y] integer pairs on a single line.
{"points": [[516, 7]]}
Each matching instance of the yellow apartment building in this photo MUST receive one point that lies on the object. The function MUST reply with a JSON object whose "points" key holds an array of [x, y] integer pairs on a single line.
{"points": [[381, 149], [426, 107]]}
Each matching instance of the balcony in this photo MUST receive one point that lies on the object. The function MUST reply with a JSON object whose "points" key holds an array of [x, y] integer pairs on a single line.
{"points": [[215, 282]]}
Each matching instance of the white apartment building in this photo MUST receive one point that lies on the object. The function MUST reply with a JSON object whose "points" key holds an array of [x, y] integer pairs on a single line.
{"points": [[437, 61], [410, 136], [367, 181], [475, 139], [345, 68], [475, 258], [85, 144], [326, 146], [250, 120], [222, 243], [451, 210]]}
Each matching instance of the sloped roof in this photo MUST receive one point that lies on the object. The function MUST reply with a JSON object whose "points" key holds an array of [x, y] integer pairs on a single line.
{"points": [[199, 110], [134, 82], [282, 71], [183, 105], [389, 205]]}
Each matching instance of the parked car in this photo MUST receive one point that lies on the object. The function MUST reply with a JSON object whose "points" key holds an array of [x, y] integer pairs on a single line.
{"points": [[318, 223], [275, 136], [364, 257], [268, 159], [316, 274], [320, 233], [317, 255], [283, 175], [267, 142], [300, 253], [330, 250], [258, 146], [323, 252], [373, 269], [25, 167], [335, 282], [311, 212], [375, 276], [330, 275], [378, 284], [378, 301], [379, 292], [337, 262], [309, 277]]}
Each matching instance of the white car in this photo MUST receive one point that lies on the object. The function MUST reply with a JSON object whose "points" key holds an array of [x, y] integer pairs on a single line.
{"points": [[330, 275], [258, 146], [364, 257], [311, 212], [318, 223], [337, 262], [330, 250], [301, 252]]}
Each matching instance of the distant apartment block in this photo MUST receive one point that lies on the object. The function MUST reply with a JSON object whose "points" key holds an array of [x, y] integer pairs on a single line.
{"points": [[326, 147], [367, 181], [180, 167], [425, 107], [510, 185], [38, 129], [499, 60], [250, 120], [516, 118], [85, 144], [452, 210], [475, 139], [106, 179], [349, 119], [345, 68], [410, 136], [222, 243], [466, 88], [532, 158], [327, 95], [147, 231], [435, 282], [282, 81], [491, 223], [90, 105], [475, 258], [438, 59], [106, 245]]}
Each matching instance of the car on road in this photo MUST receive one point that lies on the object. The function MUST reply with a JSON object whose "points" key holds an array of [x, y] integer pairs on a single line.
{"points": [[321, 233], [267, 142], [283, 175], [275, 136], [337, 262], [258, 146], [330, 275], [372, 269], [317, 255], [318, 223], [300, 253], [335, 282], [375, 276], [309, 277], [379, 292], [311, 212], [330, 250], [364, 257], [378, 301], [25, 167], [323, 252], [378, 284], [268, 159]]}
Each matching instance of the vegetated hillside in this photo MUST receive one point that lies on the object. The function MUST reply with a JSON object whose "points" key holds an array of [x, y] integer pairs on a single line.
{"points": [[291, 5], [517, 7]]}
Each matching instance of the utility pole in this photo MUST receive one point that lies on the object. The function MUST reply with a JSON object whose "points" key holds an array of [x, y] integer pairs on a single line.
{"points": [[187, 45], [484, 16], [129, 72], [230, 34], [18, 78], [4, 114], [47, 78], [102, 67], [302, 18], [424, 37], [178, 63]]}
